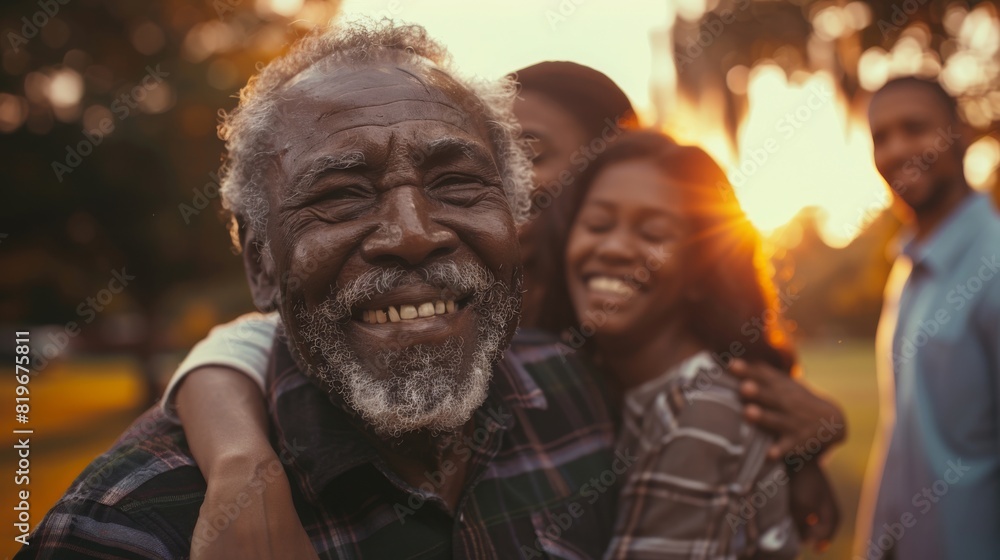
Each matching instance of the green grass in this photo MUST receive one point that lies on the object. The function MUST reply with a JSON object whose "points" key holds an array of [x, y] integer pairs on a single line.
{"points": [[845, 370]]}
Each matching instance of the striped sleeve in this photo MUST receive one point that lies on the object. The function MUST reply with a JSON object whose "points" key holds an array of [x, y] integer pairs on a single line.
{"points": [[692, 492], [92, 530]]}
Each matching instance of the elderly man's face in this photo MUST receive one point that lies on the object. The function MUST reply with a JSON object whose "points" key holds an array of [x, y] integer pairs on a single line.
{"points": [[393, 242]]}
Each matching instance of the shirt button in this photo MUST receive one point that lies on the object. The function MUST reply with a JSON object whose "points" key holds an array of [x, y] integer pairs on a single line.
{"points": [[461, 517]]}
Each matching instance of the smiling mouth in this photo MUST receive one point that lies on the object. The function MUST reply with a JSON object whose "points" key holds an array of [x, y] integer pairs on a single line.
{"points": [[403, 313], [609, 285]]}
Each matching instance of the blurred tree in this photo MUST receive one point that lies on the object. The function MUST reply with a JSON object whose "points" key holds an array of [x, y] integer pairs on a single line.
{"points": [[855, 41], [861, 44], [108, 111], [107, 126]]}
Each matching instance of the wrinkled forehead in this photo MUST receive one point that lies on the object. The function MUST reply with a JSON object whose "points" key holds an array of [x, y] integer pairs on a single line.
{"points": [[411, 90]]}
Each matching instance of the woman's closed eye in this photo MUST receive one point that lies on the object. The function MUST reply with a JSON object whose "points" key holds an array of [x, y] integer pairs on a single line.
{"points": [[658, 230], [597, 221]]}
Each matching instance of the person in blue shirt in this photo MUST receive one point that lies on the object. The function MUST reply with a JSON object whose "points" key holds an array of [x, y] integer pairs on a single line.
{"points": [[933, 489]]}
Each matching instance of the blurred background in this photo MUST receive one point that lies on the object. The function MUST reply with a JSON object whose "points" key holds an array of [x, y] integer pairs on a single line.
{"points": [[115, 258]]}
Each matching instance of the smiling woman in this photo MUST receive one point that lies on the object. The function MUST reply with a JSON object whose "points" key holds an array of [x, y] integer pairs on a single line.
{"points": [[663, 265], [659, 214]]}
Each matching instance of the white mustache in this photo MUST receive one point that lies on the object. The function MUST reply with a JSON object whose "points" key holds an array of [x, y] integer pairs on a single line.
{"points": [[449, 277]]}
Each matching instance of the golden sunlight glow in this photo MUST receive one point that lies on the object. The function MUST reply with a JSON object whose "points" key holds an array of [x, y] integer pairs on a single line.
{"points": [[700, 122], [691, 10], [981, 162], [873, 68], [493, 42], [286, 8], [65, 88], [974, 64], [799, 148]]}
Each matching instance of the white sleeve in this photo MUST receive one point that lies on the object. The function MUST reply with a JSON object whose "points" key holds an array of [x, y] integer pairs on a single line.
{"points": [[243, 344]]}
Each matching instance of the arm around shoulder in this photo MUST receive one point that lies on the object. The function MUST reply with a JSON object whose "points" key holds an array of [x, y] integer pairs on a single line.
{"points": [[242, 345]]}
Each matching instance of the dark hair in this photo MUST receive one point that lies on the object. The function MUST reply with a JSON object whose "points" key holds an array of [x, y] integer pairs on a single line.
{"points": [[949, 103], [596, 103], [587, 94], [722, 256]]}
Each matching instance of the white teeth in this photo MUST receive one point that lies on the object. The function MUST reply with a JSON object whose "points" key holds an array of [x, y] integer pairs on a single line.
{"points": [[611, 285], [395, 314], [407, 312]]}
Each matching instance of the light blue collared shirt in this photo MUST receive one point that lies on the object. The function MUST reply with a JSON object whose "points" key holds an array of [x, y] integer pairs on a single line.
{"points": [[938, 353]]}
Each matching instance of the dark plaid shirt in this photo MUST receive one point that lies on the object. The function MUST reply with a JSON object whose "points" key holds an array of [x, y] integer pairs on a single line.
{"points": [[541, 477]]}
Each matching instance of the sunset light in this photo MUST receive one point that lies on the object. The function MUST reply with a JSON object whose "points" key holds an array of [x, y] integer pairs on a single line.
{"points": [[425, 209], [800, 147], [799, 143]]}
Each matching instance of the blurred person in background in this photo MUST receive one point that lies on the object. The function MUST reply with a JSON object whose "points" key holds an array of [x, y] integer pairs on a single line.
{"points": [[569, 114], [933, 486]]}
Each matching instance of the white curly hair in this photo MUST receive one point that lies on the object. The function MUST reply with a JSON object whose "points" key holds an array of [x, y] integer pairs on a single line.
{"points": [[245, 129]]}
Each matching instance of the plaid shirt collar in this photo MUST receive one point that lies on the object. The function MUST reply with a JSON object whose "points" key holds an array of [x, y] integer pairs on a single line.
{"points": [[320, 440]]}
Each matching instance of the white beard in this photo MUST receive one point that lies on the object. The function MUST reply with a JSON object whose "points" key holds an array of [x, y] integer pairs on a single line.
{"points": [[427, 387]]}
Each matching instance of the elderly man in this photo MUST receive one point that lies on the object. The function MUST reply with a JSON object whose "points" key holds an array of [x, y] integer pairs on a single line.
{"points": [[376, 196]]}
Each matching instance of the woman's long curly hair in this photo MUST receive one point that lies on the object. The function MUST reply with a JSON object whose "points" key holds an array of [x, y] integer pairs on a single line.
{"points": [[734, 300]]}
